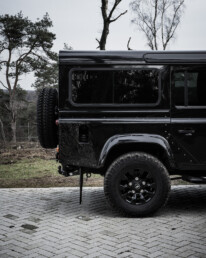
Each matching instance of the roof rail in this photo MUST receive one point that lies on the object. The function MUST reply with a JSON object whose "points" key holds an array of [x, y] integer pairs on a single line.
{"points": [[175, 57]]}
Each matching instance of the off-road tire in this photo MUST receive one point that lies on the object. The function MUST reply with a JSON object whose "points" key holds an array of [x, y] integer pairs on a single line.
{"points": [[118, 169], [46, 128]]}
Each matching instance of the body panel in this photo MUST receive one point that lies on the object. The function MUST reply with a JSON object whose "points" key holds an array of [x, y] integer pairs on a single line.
{"points": [[108, 126]]}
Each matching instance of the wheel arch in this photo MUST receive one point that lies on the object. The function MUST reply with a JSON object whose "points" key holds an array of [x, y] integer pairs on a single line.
{"points": [[118, 145]]}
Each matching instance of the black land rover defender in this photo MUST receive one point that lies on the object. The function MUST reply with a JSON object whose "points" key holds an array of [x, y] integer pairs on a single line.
{"points": [[134, 117]]}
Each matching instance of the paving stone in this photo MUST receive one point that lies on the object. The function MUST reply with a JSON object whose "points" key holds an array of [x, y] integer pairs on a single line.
{"points": [[50, 223]]}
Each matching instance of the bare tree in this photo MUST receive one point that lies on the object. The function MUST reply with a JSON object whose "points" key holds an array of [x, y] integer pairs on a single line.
{"points": [[107, 19], [158, 20]]}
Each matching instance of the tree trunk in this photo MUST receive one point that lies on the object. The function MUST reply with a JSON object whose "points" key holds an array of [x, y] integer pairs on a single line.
{"points": [[13, 121], [13, 130], [107, 19], [105, 33], [2, 132]]}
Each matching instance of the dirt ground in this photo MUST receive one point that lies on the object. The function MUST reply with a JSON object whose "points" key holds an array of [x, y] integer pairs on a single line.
{"points": [[27, 155], [15, 153]]}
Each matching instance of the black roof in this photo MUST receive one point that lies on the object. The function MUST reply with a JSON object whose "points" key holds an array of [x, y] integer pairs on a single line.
{"points": [[131, 57]]}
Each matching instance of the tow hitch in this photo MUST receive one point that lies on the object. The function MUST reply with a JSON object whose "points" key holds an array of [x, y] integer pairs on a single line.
{"points": [[71, 171]]}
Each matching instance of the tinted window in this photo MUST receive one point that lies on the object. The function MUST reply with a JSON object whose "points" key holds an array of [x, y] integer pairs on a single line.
{"points": [[196, 82], [179, 81], [190, 87], [115, 87]]}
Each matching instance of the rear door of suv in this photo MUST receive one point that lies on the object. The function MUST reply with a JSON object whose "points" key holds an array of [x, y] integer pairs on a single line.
{"points": [[188, 116]]}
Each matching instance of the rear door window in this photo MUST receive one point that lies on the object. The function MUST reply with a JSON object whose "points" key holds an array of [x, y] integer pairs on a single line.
{"points": [[190, 86]]}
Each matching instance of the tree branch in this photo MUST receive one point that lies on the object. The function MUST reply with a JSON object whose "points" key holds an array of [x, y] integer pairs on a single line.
{"points": [[113, 20], [128, 44], [40, 57], [7, 108], [98, 42], [23, 56], [2, 48], [3, 85], [18, 64], [171, 36], [171, 31], [162, 22], [1, 62], [7, 72], [149, 37], [154, 25], [144, 21], [113, 8]]}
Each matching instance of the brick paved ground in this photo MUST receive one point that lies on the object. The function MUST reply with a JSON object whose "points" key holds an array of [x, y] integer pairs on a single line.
{"points": [[51, 223]]}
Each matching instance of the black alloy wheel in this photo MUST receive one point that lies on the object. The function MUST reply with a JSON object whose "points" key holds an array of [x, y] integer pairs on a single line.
{"points": [[137, 184]]}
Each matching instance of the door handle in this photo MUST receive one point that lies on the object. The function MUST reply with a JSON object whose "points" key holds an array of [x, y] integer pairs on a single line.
{"points": [[187, 132]]}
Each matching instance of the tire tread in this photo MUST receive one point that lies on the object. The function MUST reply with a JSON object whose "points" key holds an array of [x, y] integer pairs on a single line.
{"points": [[46, 128], [117, 164]]}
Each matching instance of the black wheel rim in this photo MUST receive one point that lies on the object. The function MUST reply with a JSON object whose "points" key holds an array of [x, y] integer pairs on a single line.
{"points": [[137, 186]]}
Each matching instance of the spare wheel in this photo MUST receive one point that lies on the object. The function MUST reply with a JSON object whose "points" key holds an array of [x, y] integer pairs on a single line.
{"points": [[47, 129]]}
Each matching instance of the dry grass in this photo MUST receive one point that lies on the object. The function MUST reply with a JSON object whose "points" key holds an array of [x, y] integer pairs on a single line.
{"points": [[36, 172]]}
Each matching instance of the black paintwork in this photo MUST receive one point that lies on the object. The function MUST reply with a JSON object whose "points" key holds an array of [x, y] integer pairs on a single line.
{"points": [[131, 57], [176, 135]]}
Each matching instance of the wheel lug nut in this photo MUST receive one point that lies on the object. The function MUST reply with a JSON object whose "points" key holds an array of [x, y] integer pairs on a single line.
{"points": [[130, 183], [136, 178], [144, 183]]}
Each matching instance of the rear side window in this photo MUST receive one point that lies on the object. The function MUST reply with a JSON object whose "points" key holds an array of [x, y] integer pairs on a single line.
{"points": [[114, 86], [190, 87]]}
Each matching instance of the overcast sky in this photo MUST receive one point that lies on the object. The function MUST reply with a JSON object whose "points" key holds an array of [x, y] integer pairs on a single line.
{"points": [[79, 22]]}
